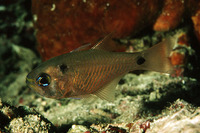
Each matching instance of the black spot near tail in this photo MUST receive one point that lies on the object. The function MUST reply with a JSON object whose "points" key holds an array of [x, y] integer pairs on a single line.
{"points": [[140, 60]]}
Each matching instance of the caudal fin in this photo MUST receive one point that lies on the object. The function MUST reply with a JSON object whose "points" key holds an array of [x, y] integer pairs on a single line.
{"points": [[157, 58]]}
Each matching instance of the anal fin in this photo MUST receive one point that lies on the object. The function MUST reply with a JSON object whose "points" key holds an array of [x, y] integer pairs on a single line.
{"points": [[87, 99], [108, 92]]}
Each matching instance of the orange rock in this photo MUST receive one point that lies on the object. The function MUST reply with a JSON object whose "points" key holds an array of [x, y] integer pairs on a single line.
{"points": [[196, 22], [177, 58], [171, 15], [183, 40], [195, 7], [65, 25], [178, 61]]}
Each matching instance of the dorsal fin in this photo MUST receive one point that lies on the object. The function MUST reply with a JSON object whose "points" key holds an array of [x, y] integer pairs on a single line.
{"points": [[103, 43], [82, 48], [106, 44]]}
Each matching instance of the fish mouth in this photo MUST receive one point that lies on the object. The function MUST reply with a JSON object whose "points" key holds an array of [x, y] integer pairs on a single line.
{"points": [[29, 82]]}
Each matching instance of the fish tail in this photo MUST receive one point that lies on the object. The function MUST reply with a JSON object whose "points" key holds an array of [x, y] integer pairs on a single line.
{"points": [[157, 58]]}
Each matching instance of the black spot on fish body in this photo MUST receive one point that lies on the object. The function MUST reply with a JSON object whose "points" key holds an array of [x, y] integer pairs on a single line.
{"points": [[140, 60], [63, 68]]}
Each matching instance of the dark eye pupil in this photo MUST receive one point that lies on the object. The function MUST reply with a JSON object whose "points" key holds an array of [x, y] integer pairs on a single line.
{"points": [[43, 79]]}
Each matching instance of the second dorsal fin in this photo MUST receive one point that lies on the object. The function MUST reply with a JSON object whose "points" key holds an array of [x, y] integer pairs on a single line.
{"points": [[104, 43], [82, 48], [108, 44]]}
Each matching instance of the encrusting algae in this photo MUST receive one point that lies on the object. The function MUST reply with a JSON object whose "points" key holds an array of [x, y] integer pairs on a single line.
{"points": [[96, 72]]}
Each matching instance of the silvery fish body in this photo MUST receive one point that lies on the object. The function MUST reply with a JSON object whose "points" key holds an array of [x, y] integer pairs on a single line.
{"points": [[81, 74]]}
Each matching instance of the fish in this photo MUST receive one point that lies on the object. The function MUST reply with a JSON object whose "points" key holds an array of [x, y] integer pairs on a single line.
{"points": [[85, 73]]}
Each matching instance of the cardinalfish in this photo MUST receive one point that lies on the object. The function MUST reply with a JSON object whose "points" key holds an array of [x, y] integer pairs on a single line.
{"points": [[97, 71]]}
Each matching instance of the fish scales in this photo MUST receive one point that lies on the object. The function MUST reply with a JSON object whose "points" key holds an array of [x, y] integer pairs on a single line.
{"points": [[99, 69], [82, 74]]}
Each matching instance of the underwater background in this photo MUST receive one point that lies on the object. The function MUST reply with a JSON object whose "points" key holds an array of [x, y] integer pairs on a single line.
{"points": [[144, 101]]}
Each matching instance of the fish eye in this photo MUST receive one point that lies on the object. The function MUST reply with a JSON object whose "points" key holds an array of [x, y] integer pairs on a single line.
{"points": [[43, 80]]}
